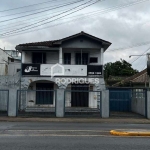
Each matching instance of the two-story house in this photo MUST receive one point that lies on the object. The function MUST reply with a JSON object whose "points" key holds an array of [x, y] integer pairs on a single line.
{"points": [[71, 63]]}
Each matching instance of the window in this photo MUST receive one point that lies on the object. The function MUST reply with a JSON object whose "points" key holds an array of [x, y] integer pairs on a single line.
{"points": [[67, 58], [12, 59], [39, 58], [93, 60], [18, 70], [84, 60]]}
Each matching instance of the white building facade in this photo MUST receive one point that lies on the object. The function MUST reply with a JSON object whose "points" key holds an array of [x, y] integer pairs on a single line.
{"points": [[71, 64]]}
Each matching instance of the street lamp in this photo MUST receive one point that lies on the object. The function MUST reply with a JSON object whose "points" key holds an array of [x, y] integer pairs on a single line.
{"points": [[148, 58], [136, 55]]}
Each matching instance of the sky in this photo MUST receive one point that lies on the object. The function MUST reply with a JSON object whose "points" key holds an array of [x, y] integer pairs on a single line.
{"points": [[125, 23]]}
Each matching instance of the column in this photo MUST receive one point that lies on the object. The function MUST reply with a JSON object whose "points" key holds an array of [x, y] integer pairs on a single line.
{"points": [[23, 56], [102, 56], [148, 105], [12, 104], [60, 56], [105, 104], [60, 103]]}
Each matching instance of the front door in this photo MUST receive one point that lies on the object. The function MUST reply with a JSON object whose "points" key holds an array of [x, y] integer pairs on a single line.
{"points": [[79, 99], [44, 97]]}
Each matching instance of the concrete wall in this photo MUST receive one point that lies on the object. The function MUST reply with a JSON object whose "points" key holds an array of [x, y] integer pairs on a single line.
{"points": [[148, 104], [3, 64], [3, 100], [138, 105]]}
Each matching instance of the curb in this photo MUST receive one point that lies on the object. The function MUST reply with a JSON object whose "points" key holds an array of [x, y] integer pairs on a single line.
{"points": [[129, 133]]}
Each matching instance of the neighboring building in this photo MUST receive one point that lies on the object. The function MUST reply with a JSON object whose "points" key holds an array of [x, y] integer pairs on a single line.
{"points": [[12, 59], [75, 57], [138, 80], [3, 62]]}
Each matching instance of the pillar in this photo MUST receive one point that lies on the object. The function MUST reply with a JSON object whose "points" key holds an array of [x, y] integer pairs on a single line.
{"points": [[60, 56], [60, 103], [148, 105], [12, 104], [105, 104], [102, 56]]}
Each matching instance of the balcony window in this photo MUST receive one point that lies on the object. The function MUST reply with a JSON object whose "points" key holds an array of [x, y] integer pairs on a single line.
{"points": [[39, 58], [93, 60], [81, 58], [67, 58]]}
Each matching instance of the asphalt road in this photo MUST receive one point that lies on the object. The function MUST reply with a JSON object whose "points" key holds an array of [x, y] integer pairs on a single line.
{"points": [[68, 136]]}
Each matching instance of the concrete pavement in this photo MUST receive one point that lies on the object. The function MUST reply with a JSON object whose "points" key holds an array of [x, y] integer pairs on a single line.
{"points": [[82, 120], [69, 135]]}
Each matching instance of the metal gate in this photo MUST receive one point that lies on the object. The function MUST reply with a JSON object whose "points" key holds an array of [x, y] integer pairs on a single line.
{"points": [[120, 100], [87, 103], [4, 99], [36, 103], [132, 102]]}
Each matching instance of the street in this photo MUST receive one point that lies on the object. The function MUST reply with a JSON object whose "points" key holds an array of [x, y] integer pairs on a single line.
{"points": [[69, 136]]}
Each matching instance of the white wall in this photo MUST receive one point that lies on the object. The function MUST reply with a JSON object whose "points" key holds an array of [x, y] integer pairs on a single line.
{"points": [[138, 105], [12, 68], [52, 57], [3, 62]]}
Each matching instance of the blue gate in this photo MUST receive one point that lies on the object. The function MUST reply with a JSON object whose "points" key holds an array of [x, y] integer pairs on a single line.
{"points": [[120, 100]]}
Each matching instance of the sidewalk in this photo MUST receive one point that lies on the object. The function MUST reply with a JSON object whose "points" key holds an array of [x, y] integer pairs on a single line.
{"points": [[80, 120]]}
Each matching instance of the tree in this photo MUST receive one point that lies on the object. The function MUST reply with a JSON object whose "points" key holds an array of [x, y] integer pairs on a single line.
{"points": [[119, 68]]}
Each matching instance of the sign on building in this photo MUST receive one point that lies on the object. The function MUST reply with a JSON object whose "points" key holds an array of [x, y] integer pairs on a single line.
{"points": [[95, 70], [30, 69]]}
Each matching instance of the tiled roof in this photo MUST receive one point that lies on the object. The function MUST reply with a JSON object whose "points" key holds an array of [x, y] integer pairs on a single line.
{"points": [[56, 42], [140, 77]]}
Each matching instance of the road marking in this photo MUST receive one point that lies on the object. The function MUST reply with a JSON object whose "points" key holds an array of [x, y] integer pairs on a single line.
{"points": [[60, 130]]}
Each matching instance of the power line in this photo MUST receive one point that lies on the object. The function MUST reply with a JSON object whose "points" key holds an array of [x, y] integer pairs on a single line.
{"points": [[141, 55], [117, 7], [54, 16], [39, 12], [33, 10], [129, 47], [27, 6], [105, 11]]}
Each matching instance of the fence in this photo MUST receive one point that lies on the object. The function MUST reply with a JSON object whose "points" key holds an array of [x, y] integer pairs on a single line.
{"points": [[36, 102], [128, 100], [82, 102]]}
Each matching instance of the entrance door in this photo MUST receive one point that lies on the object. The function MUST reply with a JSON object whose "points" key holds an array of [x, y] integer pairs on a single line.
{"points": [[80, 99], [44, 97]]}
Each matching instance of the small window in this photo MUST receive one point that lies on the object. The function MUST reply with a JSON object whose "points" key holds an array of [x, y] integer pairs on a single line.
{"points": [[12, 60], [67, 58], [93, 60], [18, 70]]}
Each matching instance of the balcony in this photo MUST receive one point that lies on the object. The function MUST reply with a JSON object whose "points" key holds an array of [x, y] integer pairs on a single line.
{"points": [[62, 70]]}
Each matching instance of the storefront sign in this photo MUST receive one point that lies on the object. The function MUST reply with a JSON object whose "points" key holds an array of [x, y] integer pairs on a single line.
{"points": [[95, 70], [30, 69]]}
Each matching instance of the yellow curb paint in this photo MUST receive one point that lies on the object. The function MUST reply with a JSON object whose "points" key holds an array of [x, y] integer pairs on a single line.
{"points": [[126, 133]]}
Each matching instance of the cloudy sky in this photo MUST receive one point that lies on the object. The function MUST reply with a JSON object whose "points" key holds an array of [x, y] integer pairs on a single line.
{"points": [[125, 23]]}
